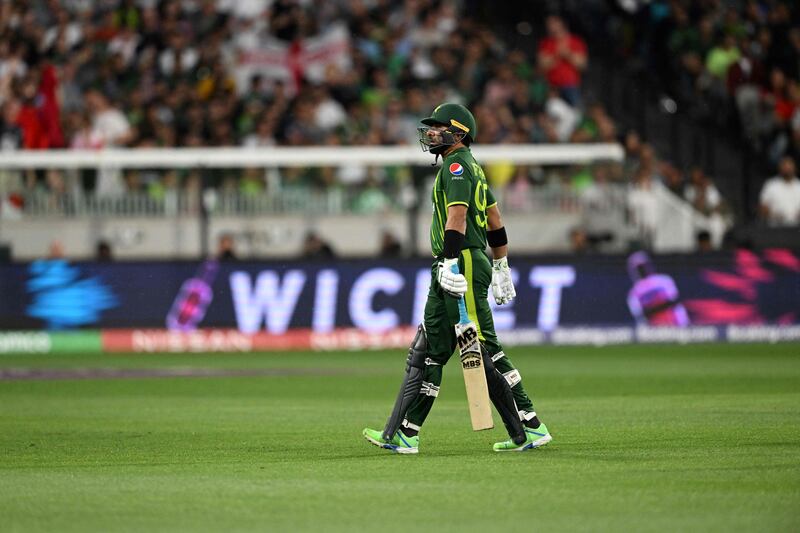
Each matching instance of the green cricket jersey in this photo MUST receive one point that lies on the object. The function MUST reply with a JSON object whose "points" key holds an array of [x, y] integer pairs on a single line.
{"points": [[460, 180]]}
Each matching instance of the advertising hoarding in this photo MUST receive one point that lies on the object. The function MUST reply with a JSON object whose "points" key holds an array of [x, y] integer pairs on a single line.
{"points": [[560, 298]]}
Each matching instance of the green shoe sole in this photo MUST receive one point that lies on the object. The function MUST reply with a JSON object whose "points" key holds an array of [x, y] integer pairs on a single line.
{"points": [[541, 441], [405, 450]]}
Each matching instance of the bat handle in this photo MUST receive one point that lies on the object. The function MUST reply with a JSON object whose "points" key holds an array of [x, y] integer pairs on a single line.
{"points": [[462, 307]]}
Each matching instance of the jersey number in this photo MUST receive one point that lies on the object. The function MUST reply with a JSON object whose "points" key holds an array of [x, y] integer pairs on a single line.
{"points": [[480, 196]]}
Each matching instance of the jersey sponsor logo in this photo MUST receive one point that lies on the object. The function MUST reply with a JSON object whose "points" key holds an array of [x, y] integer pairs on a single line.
{"points": [[456, 169]]}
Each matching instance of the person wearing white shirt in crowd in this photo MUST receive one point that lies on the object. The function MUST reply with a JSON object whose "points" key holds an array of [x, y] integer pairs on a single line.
{"points": [[109, 129], [780, 196], [179, 57], [701, 192], [644, 205], [707, 200], [108, 122]]}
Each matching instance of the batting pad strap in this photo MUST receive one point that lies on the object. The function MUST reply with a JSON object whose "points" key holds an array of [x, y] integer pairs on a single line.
{"points": [[512, 377], [409, 425], [496, 357], [527, 415], [429, 389]]}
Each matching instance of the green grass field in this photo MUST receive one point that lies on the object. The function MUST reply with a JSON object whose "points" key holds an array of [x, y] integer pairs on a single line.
{"points": [[646, 438]]}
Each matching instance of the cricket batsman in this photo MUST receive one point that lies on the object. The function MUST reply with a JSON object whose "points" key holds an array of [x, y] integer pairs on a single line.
{"points": [[465, 219]]}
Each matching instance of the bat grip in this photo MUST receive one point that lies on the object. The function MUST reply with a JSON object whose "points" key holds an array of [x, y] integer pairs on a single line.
{"points": [[462, 307]]}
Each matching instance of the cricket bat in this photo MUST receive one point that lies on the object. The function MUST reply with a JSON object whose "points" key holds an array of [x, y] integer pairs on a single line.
{"points": [[469, 348]]}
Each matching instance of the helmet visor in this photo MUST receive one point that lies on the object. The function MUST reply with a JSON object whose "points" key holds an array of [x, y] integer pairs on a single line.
{"points": [[430, 137], [438, 137]]}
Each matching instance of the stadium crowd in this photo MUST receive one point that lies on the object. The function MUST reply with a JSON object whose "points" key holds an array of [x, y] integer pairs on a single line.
{"points": [[145, 73], [149, 73], [734, 64]]}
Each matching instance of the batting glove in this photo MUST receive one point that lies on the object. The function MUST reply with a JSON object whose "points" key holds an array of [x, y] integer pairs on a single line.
{"points": [[502, 285], [452, 283]]}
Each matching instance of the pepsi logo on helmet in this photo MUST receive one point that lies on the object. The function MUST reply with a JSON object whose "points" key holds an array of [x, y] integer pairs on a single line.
{"points": [[456, 169]]}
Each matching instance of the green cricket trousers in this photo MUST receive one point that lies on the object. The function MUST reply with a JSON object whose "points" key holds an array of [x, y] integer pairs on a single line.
{"points": [[441, 315]]}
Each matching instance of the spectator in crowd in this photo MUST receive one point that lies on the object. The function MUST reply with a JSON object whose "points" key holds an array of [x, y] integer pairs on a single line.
{"points": [[721, 57], [226, 250], [562, 57], [103, 252], [578, 241], [109, 128], [701, 193], [643, 206], [780, 196], [703, 242], [632, 144], [10, 131], [390, 246], [673, 178], [34, 134], [316, 249], [55, 250], [744, 80], [84, 137], [518, 191], [648, 161], [595, 126], [178, 58]]}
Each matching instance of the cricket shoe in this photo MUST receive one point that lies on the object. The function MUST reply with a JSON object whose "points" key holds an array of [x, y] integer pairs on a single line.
{"points": [[535, 438], [399, 443]]}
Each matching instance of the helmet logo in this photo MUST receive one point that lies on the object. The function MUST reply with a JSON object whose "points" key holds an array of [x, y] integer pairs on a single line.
{"points": [[459, 125], [456, 169]]}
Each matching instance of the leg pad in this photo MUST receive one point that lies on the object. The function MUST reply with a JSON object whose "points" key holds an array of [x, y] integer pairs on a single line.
{"points": [[503, 399], [412, 383]]}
